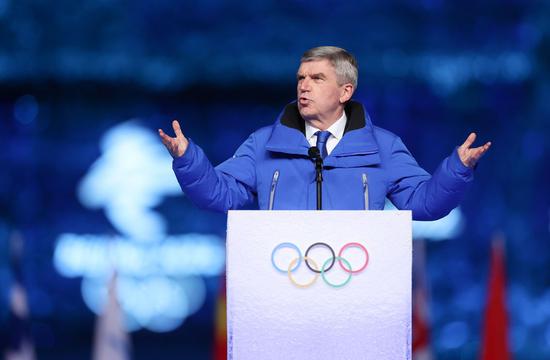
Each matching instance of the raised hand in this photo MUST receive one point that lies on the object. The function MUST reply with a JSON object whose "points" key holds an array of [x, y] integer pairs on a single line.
{"points": [[470, 156], [176, 146]]}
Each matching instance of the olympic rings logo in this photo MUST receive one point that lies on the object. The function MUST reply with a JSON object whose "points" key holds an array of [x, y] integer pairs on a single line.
{"points": [[313, 265]]}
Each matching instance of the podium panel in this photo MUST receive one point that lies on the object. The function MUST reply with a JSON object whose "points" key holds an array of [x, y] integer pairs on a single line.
{"points": [[319, 284]]}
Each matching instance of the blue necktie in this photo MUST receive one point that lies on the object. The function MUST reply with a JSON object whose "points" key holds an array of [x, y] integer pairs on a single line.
{"points": [[322, 137]]}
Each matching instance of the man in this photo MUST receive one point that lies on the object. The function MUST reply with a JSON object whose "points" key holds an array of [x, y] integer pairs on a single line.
{"points": [[362, 164]]}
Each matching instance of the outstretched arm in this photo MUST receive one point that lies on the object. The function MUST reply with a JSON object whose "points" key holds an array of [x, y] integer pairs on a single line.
{"points": [[432, 197], [205, 185]]}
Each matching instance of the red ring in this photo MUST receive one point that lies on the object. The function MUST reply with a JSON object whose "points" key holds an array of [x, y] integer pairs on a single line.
{"points": [[356, 245]]}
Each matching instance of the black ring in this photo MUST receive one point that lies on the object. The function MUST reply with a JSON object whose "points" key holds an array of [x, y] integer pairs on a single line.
{"points": [[333, 257]]}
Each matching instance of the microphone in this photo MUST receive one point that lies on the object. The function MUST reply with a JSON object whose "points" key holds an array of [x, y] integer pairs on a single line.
{"points": [[315, 155]]}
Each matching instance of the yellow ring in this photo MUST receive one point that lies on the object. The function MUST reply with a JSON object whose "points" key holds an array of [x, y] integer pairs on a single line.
{"points": [[303, 286]]}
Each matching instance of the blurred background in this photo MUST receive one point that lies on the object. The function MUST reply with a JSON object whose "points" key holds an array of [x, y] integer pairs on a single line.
{"points": [[86, 186]]}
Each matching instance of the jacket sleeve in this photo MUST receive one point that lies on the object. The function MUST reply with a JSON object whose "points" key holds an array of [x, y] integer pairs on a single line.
{"points": [[429, 197], [230, 185]]}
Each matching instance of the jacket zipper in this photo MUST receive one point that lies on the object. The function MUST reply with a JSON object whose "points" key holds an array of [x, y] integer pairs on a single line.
{"points": [[273, 187], [366, 191]]}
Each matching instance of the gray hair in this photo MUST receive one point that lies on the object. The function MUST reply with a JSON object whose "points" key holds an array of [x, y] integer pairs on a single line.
{"points": [[344, 63]]}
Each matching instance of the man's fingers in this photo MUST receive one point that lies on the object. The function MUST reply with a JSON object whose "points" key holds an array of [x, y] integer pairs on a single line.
{"points": [[483, 149], [478, 152], [469, 140], [177, 129], [162, 134], [175, 145], [164, 138], [469, 156]]}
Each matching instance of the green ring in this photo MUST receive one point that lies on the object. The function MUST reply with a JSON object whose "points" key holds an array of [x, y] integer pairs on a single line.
{"points": [[325, 265]]}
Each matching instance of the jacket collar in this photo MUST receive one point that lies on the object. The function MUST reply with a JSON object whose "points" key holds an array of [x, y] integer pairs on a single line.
{"points": [[288, 134]]}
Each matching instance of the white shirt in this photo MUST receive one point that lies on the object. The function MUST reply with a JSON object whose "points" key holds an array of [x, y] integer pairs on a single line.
{"points": [[336, 132]]}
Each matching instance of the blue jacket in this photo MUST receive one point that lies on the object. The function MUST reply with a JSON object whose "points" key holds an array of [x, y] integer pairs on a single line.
{"points": [[368, 165]]}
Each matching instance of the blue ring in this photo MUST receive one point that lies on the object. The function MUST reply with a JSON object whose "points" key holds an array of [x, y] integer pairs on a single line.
{"points": [[286, 245]]}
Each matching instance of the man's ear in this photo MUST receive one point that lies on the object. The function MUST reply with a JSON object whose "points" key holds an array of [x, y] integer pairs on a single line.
{"points": [[347, 92]]}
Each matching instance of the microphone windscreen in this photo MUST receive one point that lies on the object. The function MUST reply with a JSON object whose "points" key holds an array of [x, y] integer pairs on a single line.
{"points": [[314, 153]]}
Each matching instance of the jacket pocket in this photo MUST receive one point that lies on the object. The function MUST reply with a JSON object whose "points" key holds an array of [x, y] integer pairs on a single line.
{"points": [[365, 190], [274, 181], [353, 160]]}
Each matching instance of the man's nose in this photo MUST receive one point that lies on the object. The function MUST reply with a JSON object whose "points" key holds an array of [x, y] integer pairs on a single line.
{"points": [[304, 85]]}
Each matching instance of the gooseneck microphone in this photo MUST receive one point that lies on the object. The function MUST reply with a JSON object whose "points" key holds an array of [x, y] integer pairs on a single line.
{"points": [[315, 155]]}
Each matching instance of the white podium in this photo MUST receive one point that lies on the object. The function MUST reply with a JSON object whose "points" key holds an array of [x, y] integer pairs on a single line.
{"points": [[355, 304]]}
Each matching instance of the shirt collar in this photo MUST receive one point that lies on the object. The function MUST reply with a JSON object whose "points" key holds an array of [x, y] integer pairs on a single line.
{"points": [[336, 129]]}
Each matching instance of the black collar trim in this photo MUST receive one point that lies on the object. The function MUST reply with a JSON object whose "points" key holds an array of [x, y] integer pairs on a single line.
{"points": [[354, 111]]}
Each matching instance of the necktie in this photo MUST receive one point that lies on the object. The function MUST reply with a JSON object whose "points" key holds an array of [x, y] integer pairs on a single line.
{"points": [[322, 137]]}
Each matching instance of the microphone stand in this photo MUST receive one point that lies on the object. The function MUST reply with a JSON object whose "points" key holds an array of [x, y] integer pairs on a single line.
{"points": [[315, 155]]}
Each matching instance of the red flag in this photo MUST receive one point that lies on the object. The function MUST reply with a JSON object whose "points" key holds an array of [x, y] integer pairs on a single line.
{"points": [[220, 326], [421, 349], [495, 339]]}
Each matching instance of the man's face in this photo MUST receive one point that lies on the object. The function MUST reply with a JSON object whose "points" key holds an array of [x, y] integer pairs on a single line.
{"points": [[319, 95]]}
